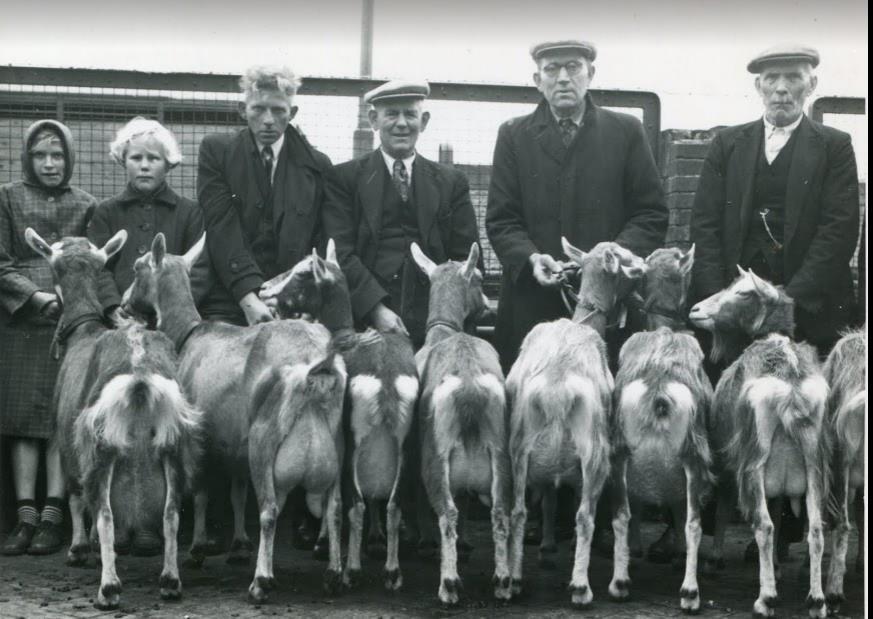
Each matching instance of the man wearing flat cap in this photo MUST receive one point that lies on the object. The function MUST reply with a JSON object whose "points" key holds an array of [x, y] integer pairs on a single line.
{"points": [[779, 195], [378, 204], [568, 169]]}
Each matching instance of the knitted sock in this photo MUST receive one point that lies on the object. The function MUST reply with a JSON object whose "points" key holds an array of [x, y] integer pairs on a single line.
{"points": [[27, 512], [53, 511]]}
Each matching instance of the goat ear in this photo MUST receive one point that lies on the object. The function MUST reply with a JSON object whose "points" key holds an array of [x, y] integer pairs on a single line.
{"points": [[473, 259], [319, 271], [424, 263], [331, 252], [193, 255], [740, 269], [573, 253], [687, 261], [159, 250], [37, 244], [764, 288], [634, 271], [114, 245], [611, 261]]}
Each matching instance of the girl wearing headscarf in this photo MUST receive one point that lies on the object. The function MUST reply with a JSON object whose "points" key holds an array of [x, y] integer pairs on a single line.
{"points": [[29, 310]]}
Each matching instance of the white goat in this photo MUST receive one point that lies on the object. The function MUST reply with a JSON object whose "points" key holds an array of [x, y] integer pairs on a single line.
{"points": [[662, 398], [462, 416], [767, 422], [127, 436], [845, 369], [383, 389], [560, 391]]}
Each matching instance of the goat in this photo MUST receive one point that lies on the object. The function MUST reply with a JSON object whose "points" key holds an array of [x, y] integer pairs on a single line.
{"points": [[560, 393], [462, 417], [662, 400], [767, 422], [127, 436], [212, 358], [844, 370], [383, 388]]}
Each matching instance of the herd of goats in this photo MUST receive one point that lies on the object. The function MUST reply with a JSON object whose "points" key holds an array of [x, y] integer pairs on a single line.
{"points": [[315, 404]]}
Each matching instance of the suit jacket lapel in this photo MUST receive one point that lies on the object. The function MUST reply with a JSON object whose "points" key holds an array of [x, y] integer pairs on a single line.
{"points": [[546, 133], [426, 195], [249, 174], [747, 148], [281, 182], [371, 189], [805, 159]]}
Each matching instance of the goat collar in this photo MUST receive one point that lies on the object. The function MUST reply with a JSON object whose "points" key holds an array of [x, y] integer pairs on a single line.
{"points": [[443, 323], [180, 342], [65, 330], [676, 316]]}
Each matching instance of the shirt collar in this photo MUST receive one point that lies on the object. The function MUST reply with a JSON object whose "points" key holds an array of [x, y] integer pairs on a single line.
{"points": [[163, 194], [769, 127], [407, 162], [576, 118], [276, 146]]}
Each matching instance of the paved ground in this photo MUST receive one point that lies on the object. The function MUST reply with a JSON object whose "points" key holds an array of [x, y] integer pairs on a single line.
{"points": [[45, 587]]}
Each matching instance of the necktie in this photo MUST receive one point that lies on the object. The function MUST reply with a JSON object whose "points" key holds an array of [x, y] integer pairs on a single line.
{"points": [[775, 141], [401, 179], [267, 159], [568, 130]]}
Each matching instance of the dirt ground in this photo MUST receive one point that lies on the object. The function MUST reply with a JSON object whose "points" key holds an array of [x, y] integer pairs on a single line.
{"points": [[46, 587]]}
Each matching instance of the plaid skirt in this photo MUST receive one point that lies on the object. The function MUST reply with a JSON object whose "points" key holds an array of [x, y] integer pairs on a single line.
{"points": [[27, 380]]}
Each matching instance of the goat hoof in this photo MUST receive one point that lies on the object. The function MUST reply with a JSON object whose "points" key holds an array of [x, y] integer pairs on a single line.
{"points": [[834, 602], [581, 597], [689, 601], [393, 579], [517, 587], [320, 552], [619, 590], [450, 591], [257, 593], [333, 582], [817, 607], [78, 555], [352, 578], [171, 587], [502, 587], [109, 596], [240, 552]]}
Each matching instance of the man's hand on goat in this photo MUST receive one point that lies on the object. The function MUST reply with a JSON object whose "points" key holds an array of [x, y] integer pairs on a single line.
{"points": [[255, 310], [383, 319], [545, 269]]}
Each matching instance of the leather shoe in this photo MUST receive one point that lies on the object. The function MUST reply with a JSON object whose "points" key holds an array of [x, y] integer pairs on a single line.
{"points": [[47, 539], [18, 540]]}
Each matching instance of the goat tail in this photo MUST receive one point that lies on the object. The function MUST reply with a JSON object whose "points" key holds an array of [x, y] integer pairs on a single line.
{"points": [[470, 411], [323, 375]]}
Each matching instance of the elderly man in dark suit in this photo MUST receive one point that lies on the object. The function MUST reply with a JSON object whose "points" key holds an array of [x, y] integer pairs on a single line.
{"points": [[568, 169], [380, 203], [779, 195], [261, 191]]}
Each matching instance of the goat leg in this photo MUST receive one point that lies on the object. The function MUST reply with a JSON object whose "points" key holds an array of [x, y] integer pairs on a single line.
{"points": [[352, 574], [839, 548], [500, 471], [724, 505], [594, 475], [518, 519], [393, 578], [80, 547], [240, 548], [109, 594], [447, 514], [619, 588], [332, 511], [689, 594], [814, 490], [548, 544], [198, 540], [764, 536], [171, 586]]}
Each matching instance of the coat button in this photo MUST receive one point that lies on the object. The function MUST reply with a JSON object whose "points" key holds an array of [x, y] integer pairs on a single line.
{"points": [[147, 207], [51, 198], [142, 249], [234, 265]]}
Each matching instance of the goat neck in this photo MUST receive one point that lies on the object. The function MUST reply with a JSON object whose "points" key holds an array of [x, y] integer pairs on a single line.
{"points": [[336, 310], [81, 305], [591, 312], [177, 314], [448, 310]]}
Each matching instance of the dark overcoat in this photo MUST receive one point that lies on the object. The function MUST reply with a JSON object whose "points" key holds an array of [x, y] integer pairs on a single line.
{"points": [[604, 187], [230, 193], [353, 219], [821, 221]]}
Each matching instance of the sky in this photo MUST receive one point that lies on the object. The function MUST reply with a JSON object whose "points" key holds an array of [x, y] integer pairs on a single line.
{"points": [[692, 53]]}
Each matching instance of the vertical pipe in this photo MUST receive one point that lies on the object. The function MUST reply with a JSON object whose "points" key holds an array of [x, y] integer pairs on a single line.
{"points": [[362, 140]]}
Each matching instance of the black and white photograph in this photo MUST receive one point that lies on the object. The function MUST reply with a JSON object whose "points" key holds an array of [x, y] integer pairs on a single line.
{"points": [[392, 308]]}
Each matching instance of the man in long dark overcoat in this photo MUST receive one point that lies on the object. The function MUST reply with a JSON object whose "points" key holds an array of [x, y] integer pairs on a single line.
{"points": [[261, 191], [780, 195], [568, 169]]}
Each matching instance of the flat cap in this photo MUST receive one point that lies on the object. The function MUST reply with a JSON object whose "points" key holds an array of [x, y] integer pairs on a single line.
{"points": [[583, 47], [398, 89], [783, 53]]}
